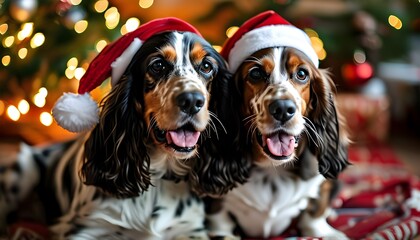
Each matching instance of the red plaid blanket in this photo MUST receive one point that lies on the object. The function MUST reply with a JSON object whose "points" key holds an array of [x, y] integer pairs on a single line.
{"points": [[380, 198]]}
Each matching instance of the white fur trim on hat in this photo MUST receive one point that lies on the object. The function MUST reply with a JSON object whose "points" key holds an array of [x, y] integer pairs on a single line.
{"points": [[76, 112], [270, 36], [121, 63]]}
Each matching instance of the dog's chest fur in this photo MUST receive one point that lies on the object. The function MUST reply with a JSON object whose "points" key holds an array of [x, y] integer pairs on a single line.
{"points": [[268, 202], [159, 213], [167, 209]]}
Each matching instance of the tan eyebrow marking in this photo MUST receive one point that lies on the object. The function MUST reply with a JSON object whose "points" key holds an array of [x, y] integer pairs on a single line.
{"points": [[169, 53], [198, 53]]}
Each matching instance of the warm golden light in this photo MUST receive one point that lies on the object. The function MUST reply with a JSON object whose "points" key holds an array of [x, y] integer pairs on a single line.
{"points": [[311, 33], [69, 73], [85, 65], [322, 54], [80, 26], [3, 28], [43, 91], [123, 29], [145, 3], [39, 100], [46, 119], [110, 13], [37, 40], [2, 106], [13, 113], [132, 24], [111, 24], [26, 30], [395, 22], [232, 30], [8, 41], [72, 63], [22, 53], [5, 60], [101, 6], [217, 48], [79, 72], [75, 2], [23, 106], [101, 44], [112, 18], [317, 44]]}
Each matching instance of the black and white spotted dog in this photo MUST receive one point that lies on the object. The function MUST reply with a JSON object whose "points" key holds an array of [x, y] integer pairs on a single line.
{"points": [[157, 148]]}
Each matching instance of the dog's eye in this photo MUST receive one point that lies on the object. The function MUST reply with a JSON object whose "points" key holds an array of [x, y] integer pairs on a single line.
{"points": [[206, 67], [256, 74], [302, 75], [158, 66]]}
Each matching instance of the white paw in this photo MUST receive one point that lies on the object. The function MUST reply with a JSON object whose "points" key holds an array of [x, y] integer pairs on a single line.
{"points": [[319, 227], [331, 234]]}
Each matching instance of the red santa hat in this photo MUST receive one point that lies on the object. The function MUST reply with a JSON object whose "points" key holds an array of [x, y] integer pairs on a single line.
{"points": [[79, 112], [267, 29]]}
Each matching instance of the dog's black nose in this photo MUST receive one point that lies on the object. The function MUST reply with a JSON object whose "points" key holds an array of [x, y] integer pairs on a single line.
{"points": [[190, 102], [282, 109]]}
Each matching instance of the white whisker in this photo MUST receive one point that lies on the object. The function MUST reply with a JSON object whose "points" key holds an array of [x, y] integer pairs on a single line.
{"points": [[213, 127], [251, 131], [218, 120], [311, 131]]}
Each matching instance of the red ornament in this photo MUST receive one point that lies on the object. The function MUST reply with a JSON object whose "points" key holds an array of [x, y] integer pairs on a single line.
{"points": [[357, 74]]}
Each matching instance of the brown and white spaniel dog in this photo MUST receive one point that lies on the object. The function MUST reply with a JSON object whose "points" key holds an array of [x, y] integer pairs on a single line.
{"points": [[292, 134], [140, 172]]}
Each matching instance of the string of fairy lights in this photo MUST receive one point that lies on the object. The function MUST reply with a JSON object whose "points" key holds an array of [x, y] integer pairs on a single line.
{"points": [[74, 70], [76, 67]]}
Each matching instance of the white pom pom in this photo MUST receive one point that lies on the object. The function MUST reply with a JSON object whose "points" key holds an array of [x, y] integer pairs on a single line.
{"points": [[76, 113]]}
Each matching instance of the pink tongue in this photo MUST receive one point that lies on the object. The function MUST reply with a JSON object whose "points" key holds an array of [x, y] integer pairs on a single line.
{"points": [[280, 144], [182, 138]]}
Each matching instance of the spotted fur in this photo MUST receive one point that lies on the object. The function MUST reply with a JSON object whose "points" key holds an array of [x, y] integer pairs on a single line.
{"points": [[140, 172]]}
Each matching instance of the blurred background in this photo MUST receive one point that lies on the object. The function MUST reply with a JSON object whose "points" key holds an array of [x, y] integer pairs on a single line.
{"points": [[372, 47]]}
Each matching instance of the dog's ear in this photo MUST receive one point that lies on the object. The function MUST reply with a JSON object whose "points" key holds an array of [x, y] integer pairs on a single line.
{"points": [[330, 142], [116, 159], [221, 166]]}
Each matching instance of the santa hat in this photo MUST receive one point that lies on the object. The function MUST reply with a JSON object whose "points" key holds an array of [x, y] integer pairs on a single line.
{"points": [[267, 29], [79, 112]]}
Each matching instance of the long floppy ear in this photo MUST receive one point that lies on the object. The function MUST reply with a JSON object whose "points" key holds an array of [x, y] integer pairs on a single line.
{"points": [[221, 166], [331, 147], [116, 159]]}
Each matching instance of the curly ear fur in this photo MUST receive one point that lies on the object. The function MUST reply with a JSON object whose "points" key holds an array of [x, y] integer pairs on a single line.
{"points": [[331, 146], [221, 166], [116, 158]]}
